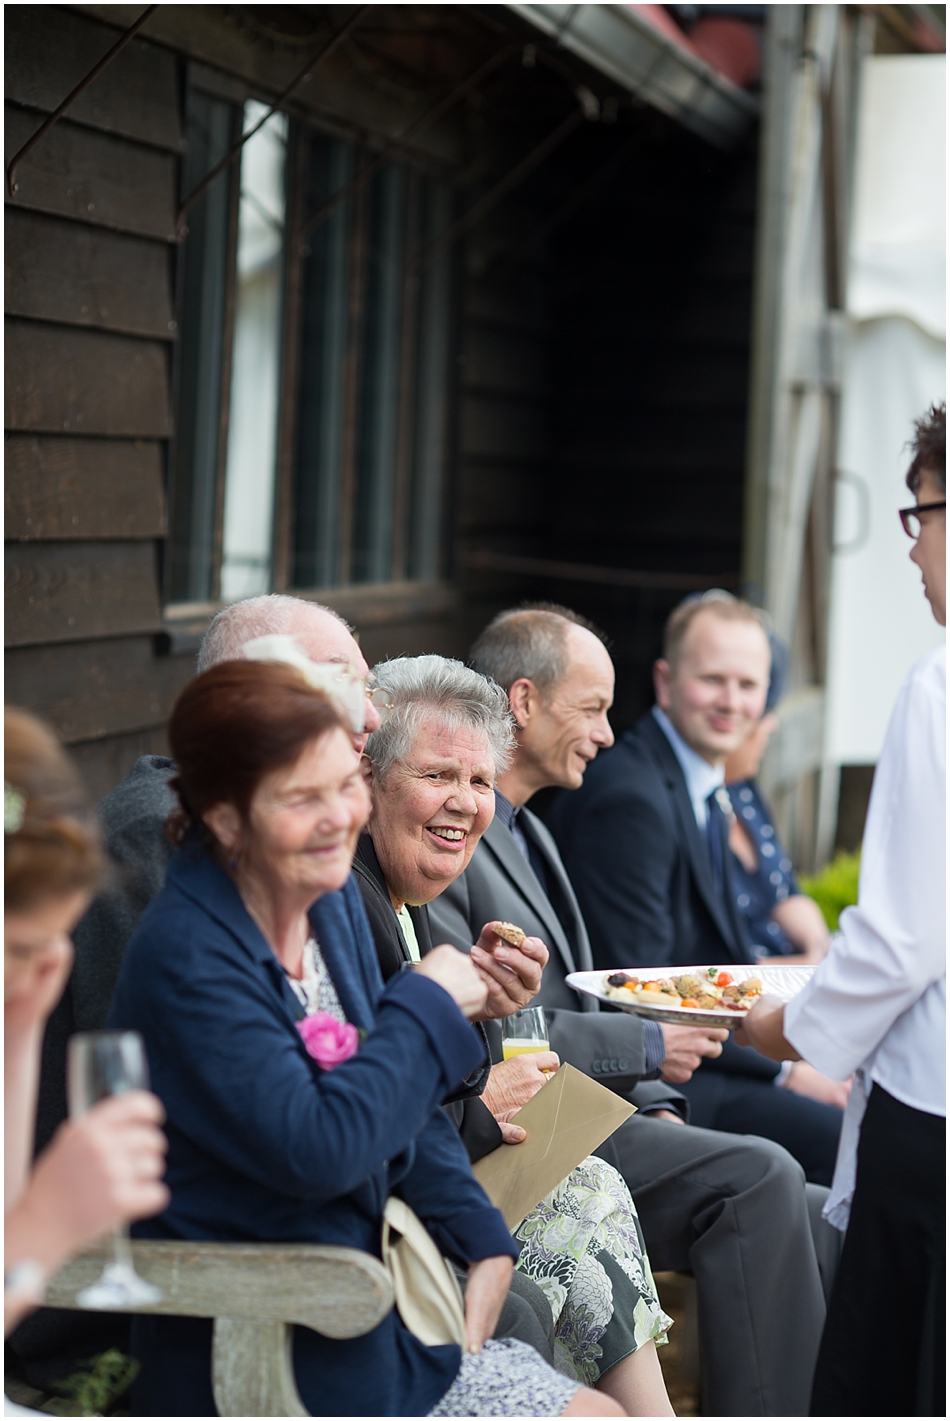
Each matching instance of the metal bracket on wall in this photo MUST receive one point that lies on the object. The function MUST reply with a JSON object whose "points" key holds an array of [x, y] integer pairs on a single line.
{"points": [[80, 88], [336, 39]]}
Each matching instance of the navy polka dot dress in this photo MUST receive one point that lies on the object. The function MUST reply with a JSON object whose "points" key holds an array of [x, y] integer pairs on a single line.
{"points": [[758, 893]]}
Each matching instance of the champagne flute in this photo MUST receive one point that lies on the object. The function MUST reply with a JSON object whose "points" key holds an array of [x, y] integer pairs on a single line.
{"points": [[524, 1033], [104, 1063]]}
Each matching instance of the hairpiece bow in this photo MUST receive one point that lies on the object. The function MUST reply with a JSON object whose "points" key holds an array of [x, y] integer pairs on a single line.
{"points": [[14, 808], [341, 683]]}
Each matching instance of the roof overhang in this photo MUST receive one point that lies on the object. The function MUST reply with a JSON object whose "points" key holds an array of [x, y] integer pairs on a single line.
{"points": [[625, 46]]}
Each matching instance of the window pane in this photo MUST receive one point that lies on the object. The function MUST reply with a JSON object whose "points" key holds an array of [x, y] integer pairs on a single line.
{"points": [[209, 125], [323, 352], [379, 394], [426, 507], [247, 552]]}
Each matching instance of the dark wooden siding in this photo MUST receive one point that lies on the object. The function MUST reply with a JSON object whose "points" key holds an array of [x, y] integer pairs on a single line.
{"points": [[650, 370], [89, 327], [600, 355]]}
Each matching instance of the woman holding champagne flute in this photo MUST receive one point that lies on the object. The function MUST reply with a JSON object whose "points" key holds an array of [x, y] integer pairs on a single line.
{"points": [[432, 768], [105, 1168]]}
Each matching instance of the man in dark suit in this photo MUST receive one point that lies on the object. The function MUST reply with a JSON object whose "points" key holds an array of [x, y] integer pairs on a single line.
{"points": [[645, 842], [733, 1211]]}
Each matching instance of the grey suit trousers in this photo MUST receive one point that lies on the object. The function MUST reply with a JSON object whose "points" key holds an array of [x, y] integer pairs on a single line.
{"points": [[737, 1218]]}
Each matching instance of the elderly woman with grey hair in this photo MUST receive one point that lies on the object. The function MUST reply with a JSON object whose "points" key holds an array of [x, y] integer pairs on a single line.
{"points": [[432, 769]]}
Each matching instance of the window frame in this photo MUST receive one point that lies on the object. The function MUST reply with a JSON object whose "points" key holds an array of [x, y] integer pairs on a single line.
{"points": [[302, 125]]}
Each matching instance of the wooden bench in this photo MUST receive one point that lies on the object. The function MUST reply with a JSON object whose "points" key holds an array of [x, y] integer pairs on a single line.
{"points": [[255, 1293]]}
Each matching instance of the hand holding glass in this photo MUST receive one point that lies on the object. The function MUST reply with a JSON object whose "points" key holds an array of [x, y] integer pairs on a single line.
{"points": [[104, 1063]]}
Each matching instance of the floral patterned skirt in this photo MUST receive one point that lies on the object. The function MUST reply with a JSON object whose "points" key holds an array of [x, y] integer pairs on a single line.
{"points": [[584, 1248]]}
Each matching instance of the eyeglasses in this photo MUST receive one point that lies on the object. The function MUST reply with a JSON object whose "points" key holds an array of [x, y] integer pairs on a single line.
{"points": [[381, 700], [910, 517]]}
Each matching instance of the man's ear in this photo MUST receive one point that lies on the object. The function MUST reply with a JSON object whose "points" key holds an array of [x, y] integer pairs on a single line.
{"points": [[662, 676], [224, 821], [520, 698]]}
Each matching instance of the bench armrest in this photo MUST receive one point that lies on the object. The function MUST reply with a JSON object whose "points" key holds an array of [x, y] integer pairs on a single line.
{"points": [[339, 1292]]}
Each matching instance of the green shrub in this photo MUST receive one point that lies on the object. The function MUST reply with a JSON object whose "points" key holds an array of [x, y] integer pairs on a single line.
{"points": [[836, 887], [97, 1387]]}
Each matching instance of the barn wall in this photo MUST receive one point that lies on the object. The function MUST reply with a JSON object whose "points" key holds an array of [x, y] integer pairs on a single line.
{"points": [[89, 330], [600, 357]]}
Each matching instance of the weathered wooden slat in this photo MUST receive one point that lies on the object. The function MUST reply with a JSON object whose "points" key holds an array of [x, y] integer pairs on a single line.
{"points": [[87, 276], [94, 177], [103, 763], [502, 428], [339, 1292], [59, 487], [73, 591], [47, 51], [88, 690], [503, 361], [252, 1369], [86, 382]]}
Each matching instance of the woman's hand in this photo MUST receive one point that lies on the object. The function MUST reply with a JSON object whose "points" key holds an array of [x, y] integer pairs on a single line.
{"points": [[455, 974], [485, 1293], [511, 1084], [101, 1170], [511, 974]]}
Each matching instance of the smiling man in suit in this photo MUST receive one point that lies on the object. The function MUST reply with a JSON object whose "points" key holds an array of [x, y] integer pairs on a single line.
{"points": [[733, 1211], [645, 842]]}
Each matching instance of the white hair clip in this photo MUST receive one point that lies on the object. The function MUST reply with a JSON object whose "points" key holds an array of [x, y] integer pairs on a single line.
{"points": [[14, 808], [340, 682]]}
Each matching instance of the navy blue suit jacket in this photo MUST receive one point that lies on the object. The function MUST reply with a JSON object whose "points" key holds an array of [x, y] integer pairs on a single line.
{"points": [[639, 862], [264, 1145], [641, 871]]}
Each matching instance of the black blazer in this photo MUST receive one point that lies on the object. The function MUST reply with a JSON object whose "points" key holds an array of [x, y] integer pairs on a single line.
{"points": [[640, 867], [639, 862], [471, 1117]]}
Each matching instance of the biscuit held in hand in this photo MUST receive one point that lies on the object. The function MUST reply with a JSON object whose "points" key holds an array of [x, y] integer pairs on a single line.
{"points": [[511, 974]]}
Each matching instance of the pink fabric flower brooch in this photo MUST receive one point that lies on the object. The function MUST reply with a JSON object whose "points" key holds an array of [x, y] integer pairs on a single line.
{"points": [[327, 1040]]}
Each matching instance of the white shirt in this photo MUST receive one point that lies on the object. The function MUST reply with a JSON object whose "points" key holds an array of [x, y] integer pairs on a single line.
{"points": [[409, 933], [702, 778], [877, 1004]]}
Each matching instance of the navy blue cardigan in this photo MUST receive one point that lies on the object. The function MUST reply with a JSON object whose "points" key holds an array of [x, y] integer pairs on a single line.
{"points": [[264, 1145]]}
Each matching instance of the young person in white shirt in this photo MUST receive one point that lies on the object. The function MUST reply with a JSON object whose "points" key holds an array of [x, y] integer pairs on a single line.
{"points": [[876, 1006]]}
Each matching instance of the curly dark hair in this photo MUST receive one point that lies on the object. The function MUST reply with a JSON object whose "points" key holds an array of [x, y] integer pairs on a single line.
{"points": [[929, 447]]}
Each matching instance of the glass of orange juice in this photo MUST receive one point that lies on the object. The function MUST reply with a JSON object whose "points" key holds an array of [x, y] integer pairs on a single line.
{"points": [[524, 1033]]}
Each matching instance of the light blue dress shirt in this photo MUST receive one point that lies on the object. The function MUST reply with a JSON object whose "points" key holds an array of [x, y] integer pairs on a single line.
{"points": [[702, 778]]}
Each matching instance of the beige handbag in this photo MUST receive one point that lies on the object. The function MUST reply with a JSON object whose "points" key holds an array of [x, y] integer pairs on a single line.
{"points": [[428, 1297]]}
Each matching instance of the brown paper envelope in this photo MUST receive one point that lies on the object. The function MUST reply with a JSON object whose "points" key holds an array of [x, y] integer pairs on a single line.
{"points": [[565, 1121]]}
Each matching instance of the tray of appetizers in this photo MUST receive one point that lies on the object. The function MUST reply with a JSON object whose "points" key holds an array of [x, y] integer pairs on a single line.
{"points": [[692, 996]]}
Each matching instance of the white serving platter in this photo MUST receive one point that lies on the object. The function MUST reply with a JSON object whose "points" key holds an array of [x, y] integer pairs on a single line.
{"points": [[777, 981]]}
